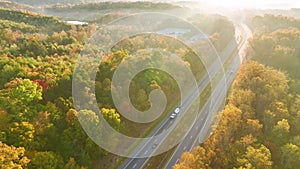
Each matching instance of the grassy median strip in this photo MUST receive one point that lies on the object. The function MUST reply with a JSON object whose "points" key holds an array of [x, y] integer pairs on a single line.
{"points": [[159, 160]]}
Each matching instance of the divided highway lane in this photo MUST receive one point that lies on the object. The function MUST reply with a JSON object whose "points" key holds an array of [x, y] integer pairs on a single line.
{"points": [[203, 122], [147, 148]]}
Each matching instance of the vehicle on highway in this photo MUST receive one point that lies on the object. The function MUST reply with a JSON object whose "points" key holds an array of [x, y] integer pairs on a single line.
{"points": [[177, 110], [173, 115]]}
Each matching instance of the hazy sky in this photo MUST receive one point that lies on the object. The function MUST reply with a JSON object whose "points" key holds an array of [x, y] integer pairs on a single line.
{"points": [[253, 3], [230, 4]]}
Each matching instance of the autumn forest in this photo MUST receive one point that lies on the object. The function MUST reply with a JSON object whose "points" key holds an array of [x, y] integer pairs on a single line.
{"points": [[259, 126]]}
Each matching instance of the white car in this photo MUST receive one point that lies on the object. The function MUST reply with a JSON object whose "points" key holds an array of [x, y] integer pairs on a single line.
{"points": [[173, 115], [177, 110]]}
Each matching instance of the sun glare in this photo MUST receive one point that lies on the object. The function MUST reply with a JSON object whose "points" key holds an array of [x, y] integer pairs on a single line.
{"points": [[260, 4]]}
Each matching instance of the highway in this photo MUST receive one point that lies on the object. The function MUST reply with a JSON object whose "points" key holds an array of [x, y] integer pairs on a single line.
{"points": [[198, 131], [194, 137]]}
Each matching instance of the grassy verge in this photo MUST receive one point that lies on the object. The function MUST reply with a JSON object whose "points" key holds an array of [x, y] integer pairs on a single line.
{"points": [[229, 59], [159, 160]]}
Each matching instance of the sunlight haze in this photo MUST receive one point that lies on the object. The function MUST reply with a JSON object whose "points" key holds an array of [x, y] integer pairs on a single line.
{"points": [[281, 4]]}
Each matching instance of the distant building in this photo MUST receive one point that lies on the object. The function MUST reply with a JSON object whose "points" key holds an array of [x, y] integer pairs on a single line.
{"points": [[173, 31], [198, 37], [77, 23]]}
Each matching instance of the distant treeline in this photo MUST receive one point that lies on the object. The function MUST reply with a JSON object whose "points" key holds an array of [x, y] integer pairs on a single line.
{"points": [[118, 5], [269, 23], [276, 43], [34, 19]]}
